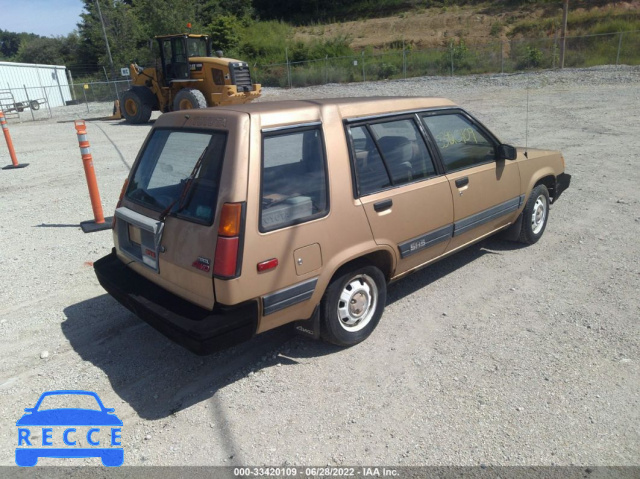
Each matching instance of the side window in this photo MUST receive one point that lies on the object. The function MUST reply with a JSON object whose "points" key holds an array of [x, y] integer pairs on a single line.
{"points": [[400, 156], [294, 183], [403, 150], [371, 175], [461, 143], [218, 76]]}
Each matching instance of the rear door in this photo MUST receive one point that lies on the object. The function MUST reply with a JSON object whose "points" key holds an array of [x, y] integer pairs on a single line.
{"points": [[407, 201], [485, 189], [166, 224]]}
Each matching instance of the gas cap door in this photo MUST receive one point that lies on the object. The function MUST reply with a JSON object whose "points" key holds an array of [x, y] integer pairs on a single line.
{"points": [[307, 259]]}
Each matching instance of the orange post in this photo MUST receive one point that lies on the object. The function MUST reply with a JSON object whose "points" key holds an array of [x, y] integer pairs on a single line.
{"points": [[99, 222], [12, 151]]}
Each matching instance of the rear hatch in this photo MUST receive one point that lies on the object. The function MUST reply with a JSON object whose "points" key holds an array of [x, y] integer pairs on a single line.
{"points": [[165, 228]]}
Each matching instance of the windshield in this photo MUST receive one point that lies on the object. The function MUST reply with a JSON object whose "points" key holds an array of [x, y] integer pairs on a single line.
{"points": [[178, 174]]}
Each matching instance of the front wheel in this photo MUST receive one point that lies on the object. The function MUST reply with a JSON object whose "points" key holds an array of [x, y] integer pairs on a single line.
{"points": [[188, 99], [352, 305], [134, 109], [535, 215]]}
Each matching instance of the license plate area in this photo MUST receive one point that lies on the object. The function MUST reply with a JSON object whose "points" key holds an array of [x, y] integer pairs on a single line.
{"points": [[135, 235], [139, 237]]}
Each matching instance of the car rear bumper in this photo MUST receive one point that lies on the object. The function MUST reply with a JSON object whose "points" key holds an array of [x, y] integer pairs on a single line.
{"points": [[562, 183], [199, 330]]}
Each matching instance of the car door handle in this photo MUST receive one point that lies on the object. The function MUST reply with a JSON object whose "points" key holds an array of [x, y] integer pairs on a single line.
{"points": [[382, 205], [464, 181]]}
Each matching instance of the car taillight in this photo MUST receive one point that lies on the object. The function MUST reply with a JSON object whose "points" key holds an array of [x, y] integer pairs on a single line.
{"points": [[227, 260], [119, 203]]}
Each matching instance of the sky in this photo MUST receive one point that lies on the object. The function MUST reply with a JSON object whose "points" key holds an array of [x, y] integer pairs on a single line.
{"points": [[43, 17]]}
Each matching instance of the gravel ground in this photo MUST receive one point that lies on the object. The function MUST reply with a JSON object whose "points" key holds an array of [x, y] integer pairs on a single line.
{"points": [[500, 355]]}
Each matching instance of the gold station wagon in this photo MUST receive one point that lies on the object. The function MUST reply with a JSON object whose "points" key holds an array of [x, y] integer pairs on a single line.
{"points": [[237, 220]]}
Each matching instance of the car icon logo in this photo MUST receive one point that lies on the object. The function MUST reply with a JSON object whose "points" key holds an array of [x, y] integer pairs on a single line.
{"points": [[69, 432]]}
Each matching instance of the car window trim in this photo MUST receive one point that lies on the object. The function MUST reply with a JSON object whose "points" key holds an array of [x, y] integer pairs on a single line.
{"points": [[275, 129], [386, 118], [280, 131], [383, 116], [475, 122]]}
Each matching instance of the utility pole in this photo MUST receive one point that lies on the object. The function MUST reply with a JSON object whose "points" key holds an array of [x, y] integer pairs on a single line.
{"points": [[106, 40], [563, 40]]}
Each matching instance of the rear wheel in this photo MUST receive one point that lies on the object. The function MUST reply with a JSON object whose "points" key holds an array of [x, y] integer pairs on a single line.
{"points": [[535, 215], [134, 109], [189, 98], [352, 305]]}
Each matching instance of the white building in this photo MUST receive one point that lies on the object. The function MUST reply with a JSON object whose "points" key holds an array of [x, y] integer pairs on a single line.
{"points": [[25, 82]]}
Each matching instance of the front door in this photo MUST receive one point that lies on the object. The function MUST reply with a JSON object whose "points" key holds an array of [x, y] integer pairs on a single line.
{"points": [[485, 189]]}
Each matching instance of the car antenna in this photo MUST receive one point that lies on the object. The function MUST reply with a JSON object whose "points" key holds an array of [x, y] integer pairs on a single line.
{"points": [[526, 127]]}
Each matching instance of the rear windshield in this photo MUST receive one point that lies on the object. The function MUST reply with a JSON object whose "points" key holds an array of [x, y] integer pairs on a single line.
{"points": [[178, 174]]}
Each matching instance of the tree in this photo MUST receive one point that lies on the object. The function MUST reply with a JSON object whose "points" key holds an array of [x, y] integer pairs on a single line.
{"points": [[163, 17], [48, 51], [224, 32], [9, 44], [123, 29]]}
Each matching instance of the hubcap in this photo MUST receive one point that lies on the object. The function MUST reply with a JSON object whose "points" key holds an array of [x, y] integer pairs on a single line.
{"points": [[185, 105], [131, 107], [357, 303], [539, 214]]}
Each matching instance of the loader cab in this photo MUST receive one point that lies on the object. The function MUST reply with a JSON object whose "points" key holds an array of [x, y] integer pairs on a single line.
{"points": [[175, 51]]}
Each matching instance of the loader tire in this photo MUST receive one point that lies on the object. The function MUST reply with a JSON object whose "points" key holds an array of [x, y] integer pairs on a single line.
{"points": [[134, 109], [189, 98]]}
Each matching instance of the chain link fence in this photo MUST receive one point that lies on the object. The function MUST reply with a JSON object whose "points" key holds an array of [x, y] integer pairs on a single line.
{"points": [[456, 59]]}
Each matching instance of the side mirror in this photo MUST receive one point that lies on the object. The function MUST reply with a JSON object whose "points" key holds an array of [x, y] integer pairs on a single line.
{"points": [[507, 152]]}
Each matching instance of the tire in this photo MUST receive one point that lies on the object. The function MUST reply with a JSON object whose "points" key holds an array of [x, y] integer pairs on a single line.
{"points": [[34, 105], [134, 109], [535, 215], [352, 305], [189, 98]]}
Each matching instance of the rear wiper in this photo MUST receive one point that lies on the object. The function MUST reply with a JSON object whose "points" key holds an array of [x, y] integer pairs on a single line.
{"points": [[185, 189]]}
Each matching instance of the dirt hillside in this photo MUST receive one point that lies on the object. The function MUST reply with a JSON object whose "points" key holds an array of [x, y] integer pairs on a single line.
{"points": [[436, 27]]}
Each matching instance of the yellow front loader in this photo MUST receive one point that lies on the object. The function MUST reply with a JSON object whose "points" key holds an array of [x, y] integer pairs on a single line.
{"points": [[186, 76]]}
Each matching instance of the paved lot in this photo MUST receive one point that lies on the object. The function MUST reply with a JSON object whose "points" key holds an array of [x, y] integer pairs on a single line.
{"points": [[501, 355]]}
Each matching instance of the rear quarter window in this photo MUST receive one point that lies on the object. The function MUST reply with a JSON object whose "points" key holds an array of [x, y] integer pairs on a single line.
{"points": [[294, 179]]}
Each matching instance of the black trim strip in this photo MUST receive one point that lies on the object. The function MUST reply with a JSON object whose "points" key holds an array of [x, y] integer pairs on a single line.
{"points": [[487, 215], [288, 296], [424, 241]]}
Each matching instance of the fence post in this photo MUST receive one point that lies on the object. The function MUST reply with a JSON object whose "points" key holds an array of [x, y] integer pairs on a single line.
{"points": [[563, 44], [363, 75], [326, 70], [73, 87], [46, 97], [286, 56], [29, 102], [619, 48], [404, 61], [502, 57], [55, 72], [451, 50], [85, 87]]}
